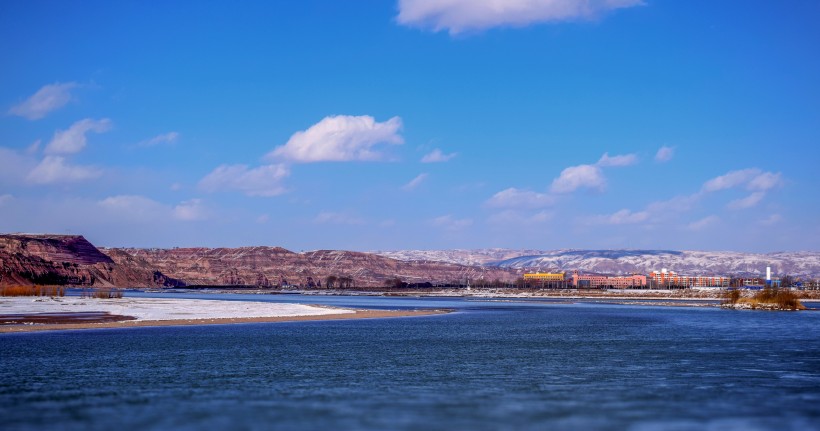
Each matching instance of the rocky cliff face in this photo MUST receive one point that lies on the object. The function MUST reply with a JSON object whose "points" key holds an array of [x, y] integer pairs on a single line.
{"points": [[276, 266], [27, 259], [52, 259]]}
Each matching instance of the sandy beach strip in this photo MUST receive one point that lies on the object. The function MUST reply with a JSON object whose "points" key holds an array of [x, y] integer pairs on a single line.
{"points": [[172, 312]]}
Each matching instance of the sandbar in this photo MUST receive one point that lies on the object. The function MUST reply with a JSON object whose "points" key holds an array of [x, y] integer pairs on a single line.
{"points": [[49, 314]]}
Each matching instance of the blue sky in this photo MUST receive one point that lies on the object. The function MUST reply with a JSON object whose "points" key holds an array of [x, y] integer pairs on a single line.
{"points": [[413, 124]]}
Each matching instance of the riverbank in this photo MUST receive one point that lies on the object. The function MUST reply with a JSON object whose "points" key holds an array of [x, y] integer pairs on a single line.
{"points": [[26, 314], [571, 294]]}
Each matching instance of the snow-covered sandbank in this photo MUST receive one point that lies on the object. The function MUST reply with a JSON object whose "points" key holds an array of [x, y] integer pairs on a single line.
{"points": [[162, 308], [73, 313]]}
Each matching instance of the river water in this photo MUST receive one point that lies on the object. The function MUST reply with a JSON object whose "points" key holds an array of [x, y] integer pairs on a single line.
{"points": [[490, 365]]}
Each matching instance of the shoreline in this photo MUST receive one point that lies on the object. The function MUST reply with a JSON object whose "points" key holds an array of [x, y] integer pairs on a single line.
{"points": [[348, 314], [625, 295]]}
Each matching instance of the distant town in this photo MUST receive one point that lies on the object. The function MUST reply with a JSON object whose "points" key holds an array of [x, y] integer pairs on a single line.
{"points": [[662, 279]]}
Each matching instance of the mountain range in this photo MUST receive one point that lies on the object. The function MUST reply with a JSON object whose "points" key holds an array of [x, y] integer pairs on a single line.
{"points": [[71, 259], [800, 263]]}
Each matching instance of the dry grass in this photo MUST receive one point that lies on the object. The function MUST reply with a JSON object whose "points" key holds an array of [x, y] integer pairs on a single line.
{"points": [[773, 299], [106, 293], [731, 297], [32, 290]]}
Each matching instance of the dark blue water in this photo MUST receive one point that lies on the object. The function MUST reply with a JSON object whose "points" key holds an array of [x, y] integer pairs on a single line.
{"points": [[490, 365]]}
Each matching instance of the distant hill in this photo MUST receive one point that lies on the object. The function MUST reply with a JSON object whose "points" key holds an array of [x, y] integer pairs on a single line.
{"points": [[270, 266], [71, 259], [804, 263]]}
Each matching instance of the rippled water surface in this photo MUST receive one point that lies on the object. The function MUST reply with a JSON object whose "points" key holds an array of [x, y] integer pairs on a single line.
{"points": [[489, 365]]}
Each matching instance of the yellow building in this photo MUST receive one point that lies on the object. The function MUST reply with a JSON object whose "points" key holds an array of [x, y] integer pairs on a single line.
{"points": [[544, 276]]}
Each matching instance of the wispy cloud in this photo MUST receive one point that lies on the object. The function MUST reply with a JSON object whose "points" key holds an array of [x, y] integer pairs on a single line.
{"points": [[55, 169], [15, 166], [730, 180], [415, 182], [771, 220], [457, 16], [766, 181], [73, 139], [262, 181], [752, 179], [703, 223], [437, 156], [330, 217], [165, 138], [515, 198], [623, 160], [449, 222], [34, 147], [747, 202], [340, 138], [623, 216], [136, 208], [664, 154], [516, 217], [190, 210], [47, 99], [5, 198]]}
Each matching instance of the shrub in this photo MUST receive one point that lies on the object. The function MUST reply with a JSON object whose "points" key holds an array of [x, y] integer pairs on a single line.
{"points": [[106, 293], [35, 290]]}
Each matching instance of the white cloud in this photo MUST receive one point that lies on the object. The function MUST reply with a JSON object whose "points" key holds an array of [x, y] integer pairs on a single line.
{"points": [[165, 138], [576, 177], [45, 100], [340, 138], [730, 180], [458, 16], [262, 219], [664, 154], [190, 210], [623, 216], [54, 169], [623, 160], [415, 182], [703, 223], [5, 198], [262, 181], [450, 223], [747, 202], [436, 156], [515, 198], [73, 139], [329, 217]]}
